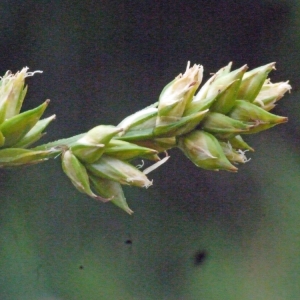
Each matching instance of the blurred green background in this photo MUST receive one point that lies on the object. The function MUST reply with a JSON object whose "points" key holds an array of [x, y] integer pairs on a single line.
{"points": [[195, 234]]}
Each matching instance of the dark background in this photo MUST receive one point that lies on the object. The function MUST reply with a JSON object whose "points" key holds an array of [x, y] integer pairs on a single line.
{"points": [[195, 234]]}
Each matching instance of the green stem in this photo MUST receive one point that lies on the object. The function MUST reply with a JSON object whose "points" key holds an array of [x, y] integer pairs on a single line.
{"points": [[61, 142]]}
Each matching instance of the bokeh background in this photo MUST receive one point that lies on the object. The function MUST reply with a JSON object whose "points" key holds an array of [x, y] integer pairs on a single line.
{"points": [[195, 234]]}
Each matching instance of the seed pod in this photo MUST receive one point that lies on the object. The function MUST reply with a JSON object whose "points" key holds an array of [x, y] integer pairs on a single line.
{"points": [[218, 123], [202, 94], [224, 71], [127, 151], [35, 133], [253, 81], [12, 93], [118, 170], [198, 105], [180, 127], [14, 157], [226, 99], [258, 117], [90, 147], [204, 150], [179, 93], [270, 93], [15, 128], [78, 175]]}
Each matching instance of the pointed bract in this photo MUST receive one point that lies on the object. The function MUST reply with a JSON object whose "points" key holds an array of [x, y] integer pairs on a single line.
{"points": [[233, 155], [180, 127], [219, 123], [118, 170], [128, 151], [237, 142], [35, 133], [143, 119], [254, 115], [204, 150], [177, 94], [15, 128], [270, 93], [159, 144], [14, 157], [90, 147], [12, 93], [198, 105], [202, 93], [226, 99], [253, 81], [111, 189], [78, 175]]}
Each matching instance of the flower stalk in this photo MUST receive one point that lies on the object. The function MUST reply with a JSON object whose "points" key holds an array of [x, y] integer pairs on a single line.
{"points": [[207, 126]]}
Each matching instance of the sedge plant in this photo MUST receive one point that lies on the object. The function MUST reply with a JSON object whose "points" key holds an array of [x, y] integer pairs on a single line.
{"points": [[206, 122]]}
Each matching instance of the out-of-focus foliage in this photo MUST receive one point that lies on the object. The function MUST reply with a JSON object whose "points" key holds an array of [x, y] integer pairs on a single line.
{"points": [[196, 235]]}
